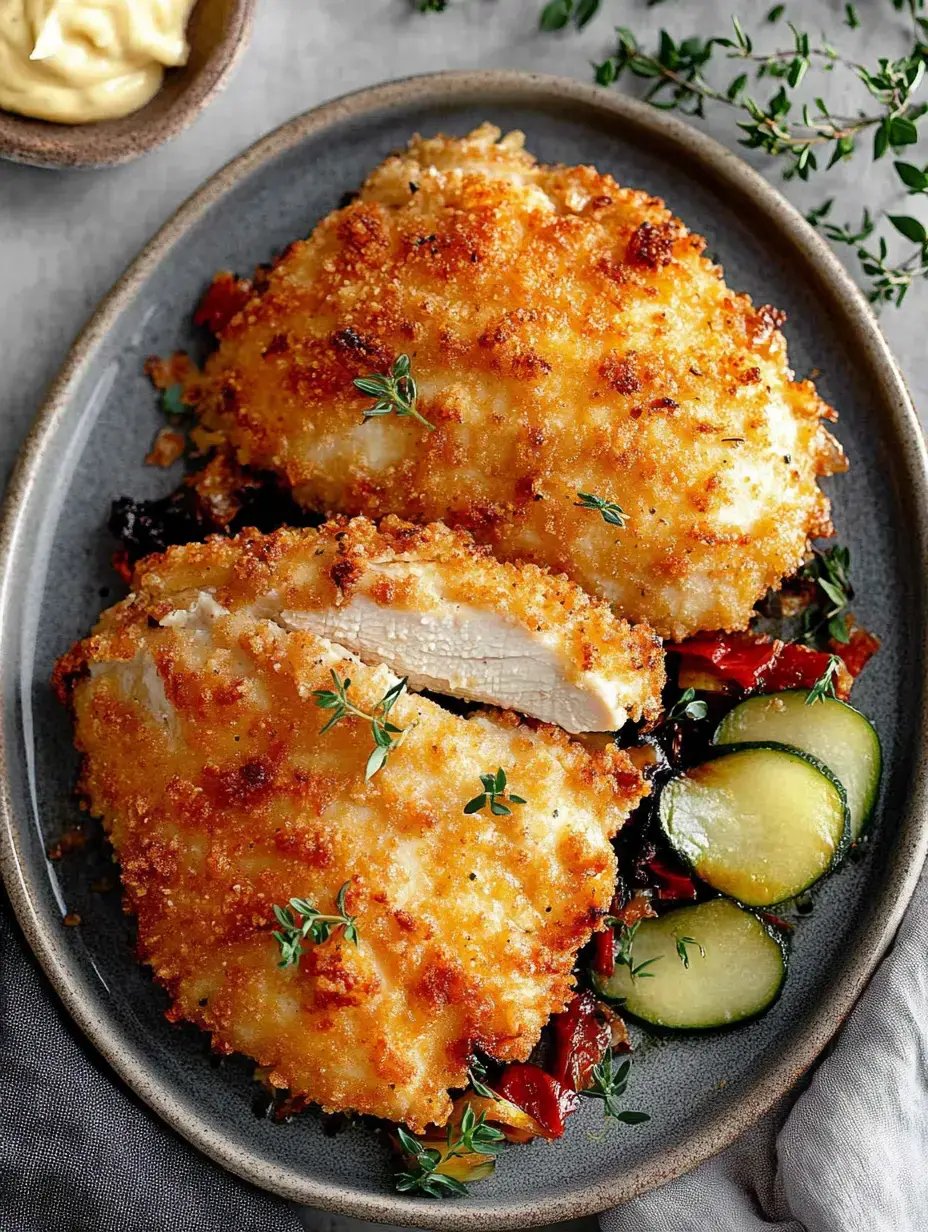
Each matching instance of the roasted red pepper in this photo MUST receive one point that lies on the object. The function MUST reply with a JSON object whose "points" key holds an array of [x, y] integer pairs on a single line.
{"points": [[857, 652], [604, 952], [742, 657], [671, 885], [795, 667], [225, 296], [581, 1037], [540, 1095]]}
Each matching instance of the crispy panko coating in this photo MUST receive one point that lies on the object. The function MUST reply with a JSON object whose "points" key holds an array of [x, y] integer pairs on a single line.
{"points": [[204, 756], [567, 336]]}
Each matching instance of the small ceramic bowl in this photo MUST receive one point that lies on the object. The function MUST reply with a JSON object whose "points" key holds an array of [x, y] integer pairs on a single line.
{"points": [[217, 32]]}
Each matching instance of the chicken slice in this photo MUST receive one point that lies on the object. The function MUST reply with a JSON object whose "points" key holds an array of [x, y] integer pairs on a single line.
{"points": [[436, 608], [196, 713], [567, 335]]}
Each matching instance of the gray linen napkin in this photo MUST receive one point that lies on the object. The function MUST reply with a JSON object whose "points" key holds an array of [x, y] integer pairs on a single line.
{"points": [[852, 1153]]}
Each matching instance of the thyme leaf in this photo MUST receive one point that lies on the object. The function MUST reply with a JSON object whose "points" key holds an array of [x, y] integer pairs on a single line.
{"points": [[612, 513], [396, 392], [300, 920], [609, 1084], [494, 793], [825, 685], [387, 736]]}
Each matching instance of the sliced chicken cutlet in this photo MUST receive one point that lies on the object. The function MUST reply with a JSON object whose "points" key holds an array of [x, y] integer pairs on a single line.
{"points": [[443, 612], [567, 336], [204, 754]]}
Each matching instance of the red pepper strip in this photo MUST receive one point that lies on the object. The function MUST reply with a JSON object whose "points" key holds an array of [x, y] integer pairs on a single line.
{"points": [[742, 657], [581, 1037], [858, 651], [671, 884], [225, 296], [795, 667], [540, 1095], [604, 952]]}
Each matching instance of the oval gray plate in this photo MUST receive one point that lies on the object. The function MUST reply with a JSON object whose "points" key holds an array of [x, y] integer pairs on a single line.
{"points": [[87, 448]]}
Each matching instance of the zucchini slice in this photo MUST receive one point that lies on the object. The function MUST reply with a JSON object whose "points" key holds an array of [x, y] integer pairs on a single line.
{"points": [[830, 730], [760, 822], [738, 976]]}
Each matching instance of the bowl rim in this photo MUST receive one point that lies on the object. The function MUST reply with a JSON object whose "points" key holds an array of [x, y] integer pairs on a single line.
{"points": [[23, 139], [844, 300]]}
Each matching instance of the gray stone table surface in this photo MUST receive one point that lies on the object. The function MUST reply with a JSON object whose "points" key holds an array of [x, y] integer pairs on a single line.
{"points": [[66, 236]]}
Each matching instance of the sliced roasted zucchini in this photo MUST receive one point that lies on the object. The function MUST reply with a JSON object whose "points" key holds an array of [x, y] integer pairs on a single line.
{"points": [[759, 822], [734, 968], [830, 730]]}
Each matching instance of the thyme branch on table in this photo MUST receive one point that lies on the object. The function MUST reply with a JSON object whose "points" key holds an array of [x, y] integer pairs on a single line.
{"points": [[396, 393], [825, 685], [683, 955], [612, 513], [687, 707], [806, 135], [609, 1083], [385, 733], [624, 941], [471, 1137], [301, 920], [494, 793], [827, 615]]}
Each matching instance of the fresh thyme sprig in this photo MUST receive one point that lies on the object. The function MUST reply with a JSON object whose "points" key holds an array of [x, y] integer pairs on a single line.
{"points": [[432, 6], [609, 1084], [385, 733], [494, 793], [827, 615], [172, 403], [396, 392], [301, 919], [476, 1074], [825, 685], [624, 941], [612, 513], [806, 136], [557, 13], [687, 707], [682, 943], [471, 1137]]}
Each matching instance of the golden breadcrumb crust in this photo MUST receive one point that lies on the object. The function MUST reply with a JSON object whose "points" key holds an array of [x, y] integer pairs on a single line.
{"points": [[204, 758], [567, 335]]}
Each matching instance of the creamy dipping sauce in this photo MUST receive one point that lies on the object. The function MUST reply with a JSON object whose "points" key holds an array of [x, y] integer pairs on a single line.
{"points": [[74, 61]]}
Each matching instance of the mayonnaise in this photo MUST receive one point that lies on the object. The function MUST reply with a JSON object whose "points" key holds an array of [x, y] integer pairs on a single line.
{"points": [[73, 61]]}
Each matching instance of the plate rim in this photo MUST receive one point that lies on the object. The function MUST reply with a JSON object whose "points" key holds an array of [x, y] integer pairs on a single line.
{"points": [[842, 296]]}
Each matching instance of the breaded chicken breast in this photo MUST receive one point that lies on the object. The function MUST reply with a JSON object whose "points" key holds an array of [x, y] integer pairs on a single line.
{"points": [[200, 713], [567, 336]]}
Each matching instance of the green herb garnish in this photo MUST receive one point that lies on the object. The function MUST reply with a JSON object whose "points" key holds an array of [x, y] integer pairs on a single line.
{"points": [[612, 513], [825, 685], [172, 403], [609, 1085], [301, 919], [682, 943], [625, 939], [557, 13], [494, 793], [396, 392], [686, 707], [830, 570], [476, 1074], [384, 733], [472, 1136]]}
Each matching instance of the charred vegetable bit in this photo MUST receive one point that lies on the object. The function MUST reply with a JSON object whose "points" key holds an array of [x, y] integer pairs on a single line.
{"points": [[494, 793], [687, 707], [827, 616], [310, 922], [825, 685], [610, 512], [384, 733], [396, 393], [582, 1035], [609, 1084]]}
